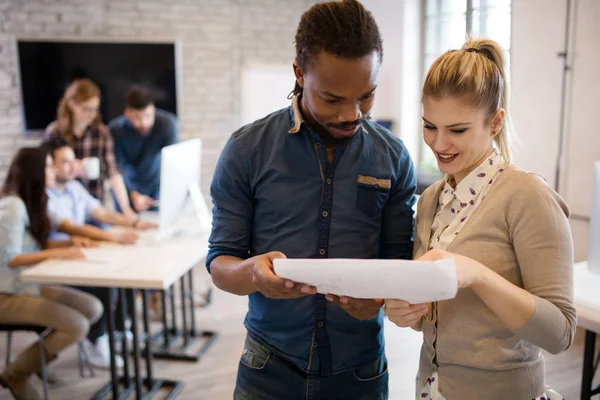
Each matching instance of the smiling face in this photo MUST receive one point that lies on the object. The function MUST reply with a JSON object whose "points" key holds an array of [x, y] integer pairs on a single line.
{"points": [[460, 135], [64, 163], [84, 112], [338, 93]]}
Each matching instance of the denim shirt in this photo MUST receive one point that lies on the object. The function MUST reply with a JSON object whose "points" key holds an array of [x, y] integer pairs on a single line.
{"points": [[275, 190], [15, 239]]}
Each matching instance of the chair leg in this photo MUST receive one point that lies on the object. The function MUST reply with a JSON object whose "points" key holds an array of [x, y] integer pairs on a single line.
{"points": [[44, 366], [85, 361], [80, 360], [8, 347]]}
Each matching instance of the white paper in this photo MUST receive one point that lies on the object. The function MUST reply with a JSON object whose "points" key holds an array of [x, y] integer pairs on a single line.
{"points": [[413, 281]]}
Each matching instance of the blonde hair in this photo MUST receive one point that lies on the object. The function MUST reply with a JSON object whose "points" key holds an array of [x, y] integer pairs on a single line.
{"points": [[476, 71], [79, 90]]}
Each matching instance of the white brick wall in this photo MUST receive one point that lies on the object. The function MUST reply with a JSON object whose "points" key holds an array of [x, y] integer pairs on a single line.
{"points": [[217, 37]]}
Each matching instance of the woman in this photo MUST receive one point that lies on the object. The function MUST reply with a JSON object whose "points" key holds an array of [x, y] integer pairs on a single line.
{"points": [[80, 124], [508, 233], [24, 230]]}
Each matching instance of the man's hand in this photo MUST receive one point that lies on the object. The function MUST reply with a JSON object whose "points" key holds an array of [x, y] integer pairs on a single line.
{"points": [[271, 285], [130, 216], [361, 309], [141, 202]]}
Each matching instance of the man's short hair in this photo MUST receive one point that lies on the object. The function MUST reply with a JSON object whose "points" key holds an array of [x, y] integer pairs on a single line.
{"points": [[138, 97], [54, 143]]}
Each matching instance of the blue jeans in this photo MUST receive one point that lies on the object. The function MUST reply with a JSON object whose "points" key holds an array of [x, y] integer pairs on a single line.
{"points": [[263, 375]]}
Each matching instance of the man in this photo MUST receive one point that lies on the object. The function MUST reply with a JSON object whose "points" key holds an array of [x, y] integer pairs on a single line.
{"points": [[315, 180], [139, 135], [63, 227], [72, 205]]}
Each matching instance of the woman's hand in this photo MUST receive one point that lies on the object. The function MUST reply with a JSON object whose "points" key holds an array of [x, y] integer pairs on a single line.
{"points": [[80, 241], [69, 253], [468, 271], [403, 314]]}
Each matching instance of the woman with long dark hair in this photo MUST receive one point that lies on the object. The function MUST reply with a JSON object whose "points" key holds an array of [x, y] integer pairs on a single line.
{"points": [[24, 230]]}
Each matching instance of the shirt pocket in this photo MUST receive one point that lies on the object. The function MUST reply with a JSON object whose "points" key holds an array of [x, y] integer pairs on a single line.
{"points": [[371, 194]]}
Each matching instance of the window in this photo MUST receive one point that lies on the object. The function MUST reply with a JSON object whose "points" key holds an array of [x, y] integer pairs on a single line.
{"points": [[447, 24]]}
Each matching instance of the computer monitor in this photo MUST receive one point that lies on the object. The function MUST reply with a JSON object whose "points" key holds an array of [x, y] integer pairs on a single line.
{"points": [[180, 197], [594, 244]]}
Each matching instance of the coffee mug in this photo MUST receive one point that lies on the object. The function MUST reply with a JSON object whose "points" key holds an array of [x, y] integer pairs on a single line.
{"points": [[91, 166]]}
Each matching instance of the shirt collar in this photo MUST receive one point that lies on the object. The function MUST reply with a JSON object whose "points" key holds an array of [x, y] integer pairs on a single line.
{"points": [[297, 119], [57, 192], [473, 183]]}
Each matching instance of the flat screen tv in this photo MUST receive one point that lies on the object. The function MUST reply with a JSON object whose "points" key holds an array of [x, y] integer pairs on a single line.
{"points": [[47, 68]]}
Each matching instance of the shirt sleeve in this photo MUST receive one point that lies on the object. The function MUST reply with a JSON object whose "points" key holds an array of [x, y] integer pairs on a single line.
{"points": [[397, 232], [13, 221], [544, 247], [233, 205], [55, 215], [91, 203]]}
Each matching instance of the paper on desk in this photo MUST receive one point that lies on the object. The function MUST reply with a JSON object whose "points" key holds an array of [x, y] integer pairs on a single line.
{"points": [[413, 281], [102, 255]]}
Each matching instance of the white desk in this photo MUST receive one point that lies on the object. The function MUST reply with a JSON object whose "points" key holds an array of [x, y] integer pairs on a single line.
{"points": [[587, 302], [143, 266]]}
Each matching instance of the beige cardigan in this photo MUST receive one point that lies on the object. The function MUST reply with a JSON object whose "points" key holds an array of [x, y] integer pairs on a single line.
{"points": [[521, 232]]}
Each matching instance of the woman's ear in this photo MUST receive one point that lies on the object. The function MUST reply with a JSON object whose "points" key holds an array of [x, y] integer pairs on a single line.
{"points": [[497, 122]]}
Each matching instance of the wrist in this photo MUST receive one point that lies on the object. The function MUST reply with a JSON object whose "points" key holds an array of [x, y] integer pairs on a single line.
{"points": [[480, 278]]}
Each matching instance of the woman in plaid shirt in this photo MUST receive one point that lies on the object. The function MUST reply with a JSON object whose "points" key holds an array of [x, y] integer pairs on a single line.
{"points": [[80, 124]]}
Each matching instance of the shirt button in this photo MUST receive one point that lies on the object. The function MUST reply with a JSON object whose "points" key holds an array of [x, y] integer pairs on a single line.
{"points": [[322, 252], [328, 181], [318, 145], [325, 214], [320, 325], [314, 345]]}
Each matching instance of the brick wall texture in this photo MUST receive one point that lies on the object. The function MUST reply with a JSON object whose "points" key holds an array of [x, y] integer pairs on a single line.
{"points": [[217, 38]]}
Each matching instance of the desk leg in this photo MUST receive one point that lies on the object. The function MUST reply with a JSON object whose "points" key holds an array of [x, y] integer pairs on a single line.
{"points": [[173, 314], [110, 314], [164, 318], [136, 352], [148, 351], [587, 390], [191, 298], [186, 333], [122, 307], [153, 385]]}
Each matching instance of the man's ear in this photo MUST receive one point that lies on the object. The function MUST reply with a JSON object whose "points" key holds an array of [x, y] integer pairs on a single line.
{"points": [[299, 73]]}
